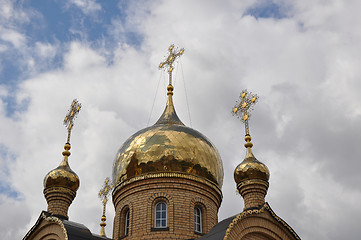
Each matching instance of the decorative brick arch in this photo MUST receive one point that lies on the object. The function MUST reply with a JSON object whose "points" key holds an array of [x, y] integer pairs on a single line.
{"points": [[254, 225], [199, 202], [47, 227], [257, 236], [152, 201], [161, 195], [118, 218], [259, 224]]}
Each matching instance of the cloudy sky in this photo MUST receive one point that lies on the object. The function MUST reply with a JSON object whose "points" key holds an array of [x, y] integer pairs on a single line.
{"points": [[301, 57]]}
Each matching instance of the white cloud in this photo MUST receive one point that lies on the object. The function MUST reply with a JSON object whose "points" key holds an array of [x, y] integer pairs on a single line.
{"points": [[82, 57], [45, 50], [86, 6], [15, 38], [12, 12]]}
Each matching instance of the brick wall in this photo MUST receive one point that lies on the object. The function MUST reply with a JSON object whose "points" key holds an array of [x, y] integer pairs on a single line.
{"points": [[253, 192], [59, 200], [181, 194]]}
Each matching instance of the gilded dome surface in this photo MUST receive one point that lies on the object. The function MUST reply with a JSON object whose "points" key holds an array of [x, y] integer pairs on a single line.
{"points": [[62, 176], [168, 146], [251, 168]]}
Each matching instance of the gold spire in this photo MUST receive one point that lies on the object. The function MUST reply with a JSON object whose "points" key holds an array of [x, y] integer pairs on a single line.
{"points": [[68, 120], [103, 195], [169, 115], [61, 183], [251, 175], [63, 175]]}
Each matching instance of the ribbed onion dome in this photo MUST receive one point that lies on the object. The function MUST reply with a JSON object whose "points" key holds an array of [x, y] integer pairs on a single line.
{"points": [[168, 146], [250, 168], [62, 176]]}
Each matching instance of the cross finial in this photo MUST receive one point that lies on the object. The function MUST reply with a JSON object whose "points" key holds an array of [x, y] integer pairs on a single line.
{"points": [[103, 195], [68, 120], [244, 106], [168, 63]]}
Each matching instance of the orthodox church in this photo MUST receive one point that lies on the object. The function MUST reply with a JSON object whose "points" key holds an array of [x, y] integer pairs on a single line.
{"points": [[167, 182]]}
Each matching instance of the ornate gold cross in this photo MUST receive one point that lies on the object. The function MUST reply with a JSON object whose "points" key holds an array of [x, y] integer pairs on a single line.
{"points": [[68, 120], [104, 192], [168, 63], [103, 195], [244, 106]]}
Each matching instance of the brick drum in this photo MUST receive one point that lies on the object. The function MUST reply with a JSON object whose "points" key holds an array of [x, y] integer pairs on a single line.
{"points": [[253, 192], [181, 192], [59, 200]]}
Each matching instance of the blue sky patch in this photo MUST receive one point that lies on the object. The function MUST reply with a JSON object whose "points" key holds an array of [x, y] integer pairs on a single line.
{"points": [[58, 23], [267, 9], [8, 191], [5, 186]]}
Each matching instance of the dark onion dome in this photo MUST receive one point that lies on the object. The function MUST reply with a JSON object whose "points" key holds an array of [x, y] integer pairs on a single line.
{"points": [[168, 146], [62, 176], [250, 168]]}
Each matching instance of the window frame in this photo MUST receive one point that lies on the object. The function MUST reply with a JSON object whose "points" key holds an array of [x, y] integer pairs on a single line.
{"points": [[126, 222], [161, 217], [123, 231], [200, 218]]}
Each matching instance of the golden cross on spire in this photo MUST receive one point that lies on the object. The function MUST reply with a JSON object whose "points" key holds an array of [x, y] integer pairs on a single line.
{"points": [[68, 120], [173, 54], [244, 106], [103, 195]]}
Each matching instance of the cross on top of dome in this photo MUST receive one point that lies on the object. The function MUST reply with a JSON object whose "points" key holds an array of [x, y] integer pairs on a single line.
{"points": [[244, 106], [69, 118], [103, 195], [168, 63]]}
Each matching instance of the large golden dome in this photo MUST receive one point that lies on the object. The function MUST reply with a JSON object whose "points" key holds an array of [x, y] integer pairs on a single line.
{"points": [[168, 146]]}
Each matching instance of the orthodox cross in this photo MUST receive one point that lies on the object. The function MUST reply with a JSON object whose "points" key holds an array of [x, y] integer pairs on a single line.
{"points": [[68, 120], [103, 195], [168, 63], [244, 106]]}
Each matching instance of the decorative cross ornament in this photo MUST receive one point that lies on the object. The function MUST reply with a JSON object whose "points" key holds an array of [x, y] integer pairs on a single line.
{"points": [[68, 120], [168, 63], [104, 192], [244, 106], [103, 195]]}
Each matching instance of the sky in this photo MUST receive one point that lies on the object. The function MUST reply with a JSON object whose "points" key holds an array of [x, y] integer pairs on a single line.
{"points": [[301, 57]]}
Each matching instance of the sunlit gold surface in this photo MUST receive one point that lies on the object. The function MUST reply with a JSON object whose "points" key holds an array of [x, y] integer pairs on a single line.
{"points": [[251, 168], [62, 176], [168, 146], [172, 148]]}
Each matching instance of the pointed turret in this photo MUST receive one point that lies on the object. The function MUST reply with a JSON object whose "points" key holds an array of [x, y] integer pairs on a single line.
{"points": [[251, 176], [61, 183], [60, 186], [169, 115]]}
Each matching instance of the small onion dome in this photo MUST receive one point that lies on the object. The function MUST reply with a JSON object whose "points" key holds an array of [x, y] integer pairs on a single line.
{"points": [[62, 176], [250, 168], [168, 146]]}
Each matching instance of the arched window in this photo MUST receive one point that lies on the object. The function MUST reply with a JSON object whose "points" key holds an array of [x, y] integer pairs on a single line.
{"points": [[197, 220], [160, 215], [126, 222]]}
